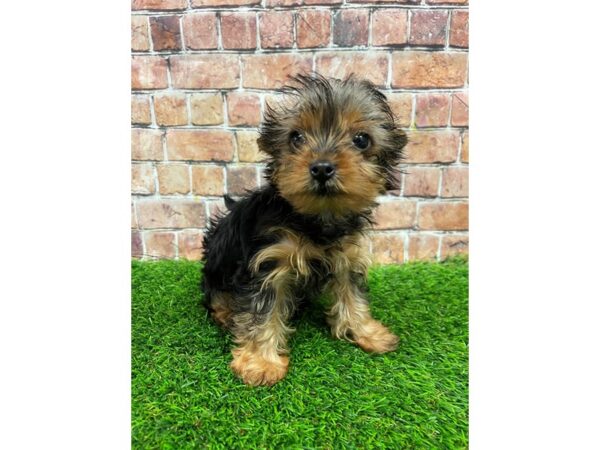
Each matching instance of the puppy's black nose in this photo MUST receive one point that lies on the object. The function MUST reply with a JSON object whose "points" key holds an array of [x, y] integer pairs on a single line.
{"points": [[322, 171]]}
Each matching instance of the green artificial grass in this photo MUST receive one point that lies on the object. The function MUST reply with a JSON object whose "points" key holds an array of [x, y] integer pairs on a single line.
{"points": [[334, 396]]}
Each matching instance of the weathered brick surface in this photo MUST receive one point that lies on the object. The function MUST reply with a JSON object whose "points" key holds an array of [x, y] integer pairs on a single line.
{"points": [[148, 72], [390, 27], [140, 110], [173, 179], [420, 69], [460, 109], [372, 65], [140, 41], [170, 109], [170, 213], [206, 109], [276, 29], [351, 27], [455, 182], [146, 144], [142, 179], [200, 145], [396, 214], [208, 180], [432, 146], [238, 30], [428, 27], [243, 109], [421, 182], [313, 28], [444, 216], [160, 244], [190, 244], [432, 110], [200, 31], [387, 248], [205, 71], [422, 247], [241, 178], [166, 33], [160, 5], [202, 71], [459, 29], [271, 71]]}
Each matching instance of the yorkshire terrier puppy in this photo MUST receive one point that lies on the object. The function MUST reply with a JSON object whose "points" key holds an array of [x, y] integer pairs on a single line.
{"points": [[332, 147]]}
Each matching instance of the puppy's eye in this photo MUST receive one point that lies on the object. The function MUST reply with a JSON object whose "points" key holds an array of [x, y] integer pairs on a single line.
{"points": [[297, 139], [361, 141]]}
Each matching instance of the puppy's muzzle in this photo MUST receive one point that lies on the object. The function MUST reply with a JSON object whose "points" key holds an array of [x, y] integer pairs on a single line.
{"points": [[321, 171]]}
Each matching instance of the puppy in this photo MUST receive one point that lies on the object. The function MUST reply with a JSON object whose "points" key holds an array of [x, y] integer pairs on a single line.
{"points": [[333, 146]]}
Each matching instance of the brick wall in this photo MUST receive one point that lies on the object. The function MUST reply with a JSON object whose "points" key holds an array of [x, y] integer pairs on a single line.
{"points": [[202, 71]]}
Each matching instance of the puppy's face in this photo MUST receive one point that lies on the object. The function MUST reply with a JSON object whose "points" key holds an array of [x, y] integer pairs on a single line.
{"points": [[333, 144]]}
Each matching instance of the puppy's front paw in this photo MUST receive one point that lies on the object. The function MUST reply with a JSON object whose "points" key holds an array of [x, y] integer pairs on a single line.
{"points": [[376, 338], [254, 369]]}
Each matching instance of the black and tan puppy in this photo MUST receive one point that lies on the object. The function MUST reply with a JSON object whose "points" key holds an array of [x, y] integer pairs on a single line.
{"points": [[332, 147]]}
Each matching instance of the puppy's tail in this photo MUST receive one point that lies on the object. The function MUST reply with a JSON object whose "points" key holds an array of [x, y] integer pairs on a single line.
{"points": [[229, 202]]}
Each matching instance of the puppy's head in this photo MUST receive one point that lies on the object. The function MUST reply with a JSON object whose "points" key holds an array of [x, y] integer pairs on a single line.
{"points": [[333, 145]]}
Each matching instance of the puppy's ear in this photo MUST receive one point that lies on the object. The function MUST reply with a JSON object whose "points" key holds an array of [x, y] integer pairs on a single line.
{"points": [[274, 131]]}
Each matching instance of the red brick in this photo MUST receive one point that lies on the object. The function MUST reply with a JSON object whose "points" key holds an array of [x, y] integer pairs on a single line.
{"points": [[313, 28], [423, 247], [351, 27], [455, 182], [459, 29], [161, 5], [199, 145], [240, 179], [390, 27], [166, 33], [464, 153], [190, 244], [200, 31], [323, 2], [137, 249], [160, 244], [142, 179], [428, 27], [154, 214], [271, 71], [170, 109], [276, 29], [454, 245], [238, 30], [400, 2], [146, 144], [243, 109], [148, 72], [270, 3], [460, 109], [370, 65], [395, 214], [432, 110], [247, 147], [206, 109], [428, 69], [432, 146], [216, 208], [214, 3], [401, 104], [421, 182], [387, 248], [140, 110], [447, 2], [444, 216], [208, 180], [173, 179], [205, 71], [140, 41], [134, 223]]}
